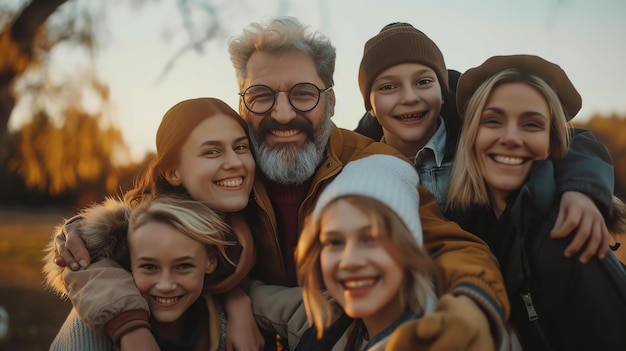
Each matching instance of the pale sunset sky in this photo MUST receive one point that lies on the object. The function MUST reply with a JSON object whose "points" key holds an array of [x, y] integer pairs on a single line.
{"points": [[586, 38]]}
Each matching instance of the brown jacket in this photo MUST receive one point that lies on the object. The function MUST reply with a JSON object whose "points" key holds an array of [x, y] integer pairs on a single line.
{"points": [[465, 263]]}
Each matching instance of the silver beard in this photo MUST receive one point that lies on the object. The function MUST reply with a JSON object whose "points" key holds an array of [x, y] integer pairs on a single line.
{"points": [[290, 164]]}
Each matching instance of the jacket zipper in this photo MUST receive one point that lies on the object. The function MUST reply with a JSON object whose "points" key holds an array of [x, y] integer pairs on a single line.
{"points": [[530, 308]]}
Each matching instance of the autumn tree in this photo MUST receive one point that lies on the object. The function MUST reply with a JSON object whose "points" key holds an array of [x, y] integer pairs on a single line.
{"points": [[611, 131], [29, 34], [65, 141], [25, 43], [56, 154]]}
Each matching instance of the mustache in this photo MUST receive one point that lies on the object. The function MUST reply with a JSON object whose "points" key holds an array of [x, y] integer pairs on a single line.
{"points": [[268, 124]]}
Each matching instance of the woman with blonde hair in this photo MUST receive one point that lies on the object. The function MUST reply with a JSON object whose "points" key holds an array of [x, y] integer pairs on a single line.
{"points": [[503, 188]]}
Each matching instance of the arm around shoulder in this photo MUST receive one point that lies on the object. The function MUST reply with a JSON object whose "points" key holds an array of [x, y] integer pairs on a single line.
{"points": [[587, 168]]}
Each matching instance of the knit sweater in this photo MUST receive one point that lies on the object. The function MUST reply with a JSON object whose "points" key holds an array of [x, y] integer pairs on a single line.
{"points": [[74, 335]]}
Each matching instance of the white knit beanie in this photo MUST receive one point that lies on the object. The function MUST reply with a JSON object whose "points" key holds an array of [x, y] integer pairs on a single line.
{"points": [[385, 178]]}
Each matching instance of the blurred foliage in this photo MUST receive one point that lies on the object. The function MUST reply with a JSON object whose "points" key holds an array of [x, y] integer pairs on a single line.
{"points": [[611, 131], [26, 44], [112, 181], [32, 30], [55, 159], [69, 150]]}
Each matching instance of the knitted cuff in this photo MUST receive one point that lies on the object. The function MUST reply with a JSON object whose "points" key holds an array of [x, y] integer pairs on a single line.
{"points": [[489, 306], [126, 322]]}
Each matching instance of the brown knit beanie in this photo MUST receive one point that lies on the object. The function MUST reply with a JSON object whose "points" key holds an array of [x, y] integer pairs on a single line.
{"points": [[395, 44]]}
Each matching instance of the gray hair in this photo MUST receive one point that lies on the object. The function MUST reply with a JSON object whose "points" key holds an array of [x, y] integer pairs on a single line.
{"points": [[281, 35]]}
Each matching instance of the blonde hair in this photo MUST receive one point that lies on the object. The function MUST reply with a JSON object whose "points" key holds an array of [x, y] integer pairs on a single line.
{"points": [[192, 218], [418, 290], [467, 186]]}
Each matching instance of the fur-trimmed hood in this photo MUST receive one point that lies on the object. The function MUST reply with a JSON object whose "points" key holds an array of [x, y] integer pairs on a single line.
{"points": [[103, 228]]}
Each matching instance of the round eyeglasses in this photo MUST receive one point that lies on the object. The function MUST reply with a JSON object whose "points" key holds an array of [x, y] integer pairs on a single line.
{"points": [[303, 97]]}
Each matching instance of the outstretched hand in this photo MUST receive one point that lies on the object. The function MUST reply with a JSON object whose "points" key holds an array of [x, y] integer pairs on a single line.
{"points": [[578, 212], [456, 324], [70, 249]]}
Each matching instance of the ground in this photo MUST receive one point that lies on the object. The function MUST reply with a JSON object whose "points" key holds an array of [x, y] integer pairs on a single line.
{"points": [[35, 314]]}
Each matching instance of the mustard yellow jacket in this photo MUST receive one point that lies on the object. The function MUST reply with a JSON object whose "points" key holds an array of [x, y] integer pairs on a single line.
{"points": [[465, 264]]}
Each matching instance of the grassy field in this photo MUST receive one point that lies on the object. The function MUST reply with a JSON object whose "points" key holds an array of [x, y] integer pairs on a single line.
{"points": [[35, 314]]}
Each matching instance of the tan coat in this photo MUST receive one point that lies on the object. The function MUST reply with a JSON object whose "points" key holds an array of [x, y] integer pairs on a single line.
{"points": [[465, 263]]}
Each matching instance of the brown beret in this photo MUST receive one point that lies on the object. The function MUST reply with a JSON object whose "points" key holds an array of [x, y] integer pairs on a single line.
{"points": [[527, 64]]}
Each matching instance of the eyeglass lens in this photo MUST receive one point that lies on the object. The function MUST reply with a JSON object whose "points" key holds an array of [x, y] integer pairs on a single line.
{"points": [[303, 97]]}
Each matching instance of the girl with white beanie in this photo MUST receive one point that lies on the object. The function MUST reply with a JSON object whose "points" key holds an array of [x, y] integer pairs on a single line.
{"points": [[363, 243]]}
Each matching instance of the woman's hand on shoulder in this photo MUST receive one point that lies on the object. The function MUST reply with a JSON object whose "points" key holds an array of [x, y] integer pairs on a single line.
{"points": [[70, 248], [578, 213]]}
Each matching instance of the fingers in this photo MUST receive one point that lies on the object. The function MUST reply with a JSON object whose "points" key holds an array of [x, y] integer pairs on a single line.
{"points": [[582, 234], [71, 251], [429, 326], [593, 243], [453, 333], [457, 324], [76, 247], [450, 341], [597, 244], [578, 212], [591, 236], [64, 257], [605, 243], [562, 227], [59, 244]]}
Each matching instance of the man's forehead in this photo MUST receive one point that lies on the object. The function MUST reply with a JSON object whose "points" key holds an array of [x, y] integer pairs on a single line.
{"points": [[281, 71]]}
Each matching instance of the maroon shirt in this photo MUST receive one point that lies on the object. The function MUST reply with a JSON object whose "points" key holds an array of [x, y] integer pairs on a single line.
{"points": [[286, 200]]}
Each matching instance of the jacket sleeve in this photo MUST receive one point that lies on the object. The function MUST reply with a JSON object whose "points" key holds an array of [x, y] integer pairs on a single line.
{"points": [[464, 263], [279, 309], [106, 298], [104, 294], [587, 168]]}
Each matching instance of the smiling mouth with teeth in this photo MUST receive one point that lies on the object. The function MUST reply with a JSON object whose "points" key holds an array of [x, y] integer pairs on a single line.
{"points": [[229, 183], [361, 283], [412, 116], [166, 300], [508, 160], [285, 133]]}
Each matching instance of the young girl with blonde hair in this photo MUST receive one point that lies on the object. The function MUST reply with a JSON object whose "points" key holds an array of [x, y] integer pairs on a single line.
{"points": [[363, 244]]}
